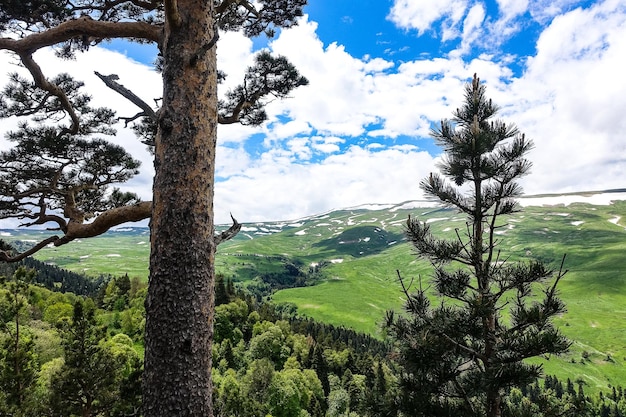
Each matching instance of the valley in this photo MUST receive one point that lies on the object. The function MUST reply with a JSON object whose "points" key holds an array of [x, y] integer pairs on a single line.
{"points": [[345, 266]]}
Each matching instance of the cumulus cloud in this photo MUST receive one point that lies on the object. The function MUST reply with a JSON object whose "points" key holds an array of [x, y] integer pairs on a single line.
{"points": [[358, 133], [274, 188], [571, 101], [421, 15]]}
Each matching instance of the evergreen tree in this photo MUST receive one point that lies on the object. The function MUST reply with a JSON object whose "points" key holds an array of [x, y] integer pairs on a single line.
{"points": [[18, 364], [88, 382], [221, 293], [58, 172], [320, 366], [460, 356], [129, 402]]}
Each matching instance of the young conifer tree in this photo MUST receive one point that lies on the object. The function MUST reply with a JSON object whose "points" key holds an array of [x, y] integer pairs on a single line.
{"points": [[461, 355]]}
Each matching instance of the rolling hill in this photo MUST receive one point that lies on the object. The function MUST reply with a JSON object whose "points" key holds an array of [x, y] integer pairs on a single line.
{"points": [[349, 259]]}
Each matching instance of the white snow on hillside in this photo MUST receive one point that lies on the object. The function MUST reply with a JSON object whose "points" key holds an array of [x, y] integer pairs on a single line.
{"points": [[436, 219], [371, 207], [600, 199], [414, 204]]}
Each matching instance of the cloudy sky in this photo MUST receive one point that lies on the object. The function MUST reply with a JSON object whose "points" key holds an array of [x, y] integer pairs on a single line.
{"points": [[382, 73]]}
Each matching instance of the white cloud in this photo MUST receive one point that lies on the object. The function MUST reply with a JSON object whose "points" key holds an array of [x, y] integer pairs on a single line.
{"points": [[472, 29], [326, 147], [347, 95], [512, 8], [275, 189], [421, 15], [234, 53], [331, 144], [571, 101], [544, 10]]}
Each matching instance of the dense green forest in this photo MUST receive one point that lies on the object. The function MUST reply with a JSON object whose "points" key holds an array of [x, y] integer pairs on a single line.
{"points": [[65, 354]]}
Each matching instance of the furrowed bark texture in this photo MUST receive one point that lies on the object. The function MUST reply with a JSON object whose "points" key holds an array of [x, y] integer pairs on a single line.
{"points": [[180, 301]]}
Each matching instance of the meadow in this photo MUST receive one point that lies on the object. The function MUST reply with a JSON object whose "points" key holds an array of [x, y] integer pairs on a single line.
{"points": [[362, 251]]}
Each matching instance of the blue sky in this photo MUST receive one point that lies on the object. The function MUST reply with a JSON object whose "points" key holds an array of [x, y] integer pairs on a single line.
{"points": [[381, 73]]}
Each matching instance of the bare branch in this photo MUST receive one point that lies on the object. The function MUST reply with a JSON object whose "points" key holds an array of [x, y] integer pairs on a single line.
{"points": [[110, 81], [230, 233]]}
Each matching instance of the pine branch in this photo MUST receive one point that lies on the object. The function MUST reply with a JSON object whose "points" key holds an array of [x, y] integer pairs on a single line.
{"points": [[230, 233], [110, 81]]}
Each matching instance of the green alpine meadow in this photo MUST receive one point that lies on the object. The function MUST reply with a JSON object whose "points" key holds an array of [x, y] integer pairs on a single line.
{"points": [[342, 267]]}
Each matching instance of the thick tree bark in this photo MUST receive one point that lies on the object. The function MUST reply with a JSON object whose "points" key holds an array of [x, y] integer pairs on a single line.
{"points": [[180, 301]]}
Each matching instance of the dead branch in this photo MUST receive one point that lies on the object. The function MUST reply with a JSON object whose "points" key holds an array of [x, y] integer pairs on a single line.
{"points": [[110, 81]]}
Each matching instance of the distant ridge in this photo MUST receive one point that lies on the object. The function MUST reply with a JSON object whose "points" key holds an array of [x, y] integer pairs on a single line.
{"points": [[547, 199], [613, 190], [597, 197]]}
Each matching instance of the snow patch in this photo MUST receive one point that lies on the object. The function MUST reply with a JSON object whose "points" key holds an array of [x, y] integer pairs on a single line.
{"points": [[141, 243], [114, 255], [5, 234], [300, 233], [436, 219], [336, 261], [372, 207], [600, 199], [577, 223], [414, 204]]}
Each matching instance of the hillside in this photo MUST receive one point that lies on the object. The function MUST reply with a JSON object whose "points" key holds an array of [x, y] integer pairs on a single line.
{"points": [[347, 261]]}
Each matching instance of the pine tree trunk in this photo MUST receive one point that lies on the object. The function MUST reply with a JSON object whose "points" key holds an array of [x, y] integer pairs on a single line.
{"points": [[180, 301]]}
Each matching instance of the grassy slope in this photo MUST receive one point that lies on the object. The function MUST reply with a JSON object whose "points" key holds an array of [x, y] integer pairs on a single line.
{"points": [[362, 281], [594, 289]]}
